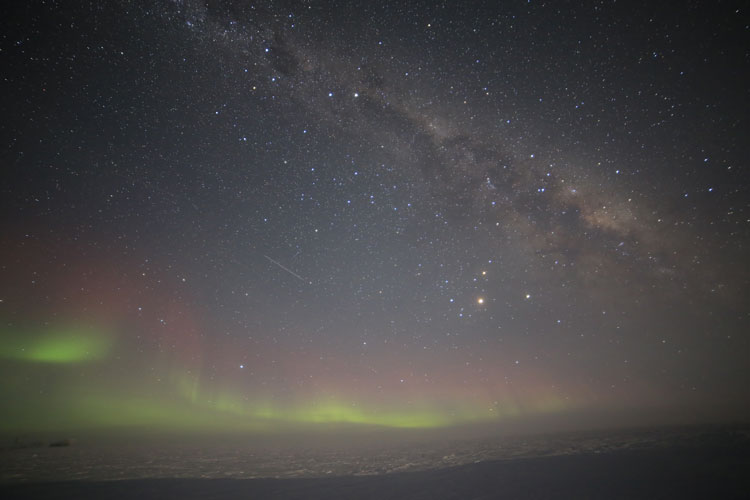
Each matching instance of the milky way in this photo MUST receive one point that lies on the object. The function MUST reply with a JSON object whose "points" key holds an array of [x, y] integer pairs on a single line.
{"points": [[251, 216]]}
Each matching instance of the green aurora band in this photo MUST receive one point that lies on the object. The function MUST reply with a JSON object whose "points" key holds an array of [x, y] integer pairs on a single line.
{"points": [[181, 404], [88, 409], [64, 345]]}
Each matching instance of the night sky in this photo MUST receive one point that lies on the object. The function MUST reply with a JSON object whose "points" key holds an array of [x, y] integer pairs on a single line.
{"points": [[257, 216]]}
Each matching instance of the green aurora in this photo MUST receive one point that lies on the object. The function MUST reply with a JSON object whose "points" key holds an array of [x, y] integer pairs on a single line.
{"points": [[56, 345], [58, 358], [86, 406]]}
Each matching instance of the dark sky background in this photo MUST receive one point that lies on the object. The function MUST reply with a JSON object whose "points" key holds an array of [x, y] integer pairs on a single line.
{"points": [[257, 216]]}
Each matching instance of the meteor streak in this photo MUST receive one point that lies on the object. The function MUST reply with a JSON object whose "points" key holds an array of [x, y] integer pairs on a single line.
{"points": [[287, 269]]}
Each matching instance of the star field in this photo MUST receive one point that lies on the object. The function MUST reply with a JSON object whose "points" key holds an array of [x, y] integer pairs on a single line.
{"points": [[255, 214]]}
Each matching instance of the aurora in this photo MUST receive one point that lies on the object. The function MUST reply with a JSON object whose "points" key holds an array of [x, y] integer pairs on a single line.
{"points": [[251, 218], [62, 344]]}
